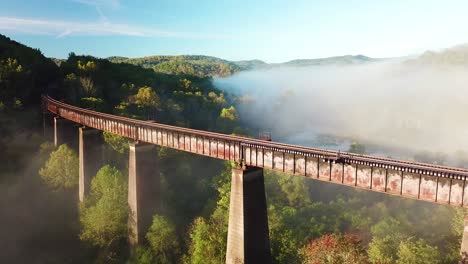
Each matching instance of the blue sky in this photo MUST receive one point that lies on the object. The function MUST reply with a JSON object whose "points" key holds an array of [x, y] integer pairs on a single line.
{"points": [[270, 30]]}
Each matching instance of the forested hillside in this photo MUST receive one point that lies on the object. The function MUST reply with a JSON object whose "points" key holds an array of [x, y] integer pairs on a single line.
{"points": [[246, 65], [338, 60], [455, 56], [24, 74], [202, 66], [118, 88], [206, 66], [309, 221]]}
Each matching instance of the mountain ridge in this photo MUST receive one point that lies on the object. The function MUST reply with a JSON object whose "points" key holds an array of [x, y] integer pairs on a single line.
{"points": [[210, 66]]}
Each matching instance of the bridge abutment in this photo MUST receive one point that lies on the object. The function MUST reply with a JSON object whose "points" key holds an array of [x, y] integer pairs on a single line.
{"points": [[90, 158], [143, 190], [248, 238]]}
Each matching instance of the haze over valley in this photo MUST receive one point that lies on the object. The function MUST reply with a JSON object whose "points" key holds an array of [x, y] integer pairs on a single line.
{"points": [[401, 106]]}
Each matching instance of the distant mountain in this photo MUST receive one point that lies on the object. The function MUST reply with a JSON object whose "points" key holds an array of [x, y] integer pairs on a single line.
{"points": [[337, 60], [207, 66], [455, 56], [250, 64], [198, 65]]}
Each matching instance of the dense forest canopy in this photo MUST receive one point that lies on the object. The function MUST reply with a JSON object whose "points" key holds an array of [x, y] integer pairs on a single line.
{"points": [[309, 221], [203, 66], [24, 74]]}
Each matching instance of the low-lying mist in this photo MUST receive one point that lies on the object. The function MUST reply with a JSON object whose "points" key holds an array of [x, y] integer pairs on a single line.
{"points": [[392, 104]]}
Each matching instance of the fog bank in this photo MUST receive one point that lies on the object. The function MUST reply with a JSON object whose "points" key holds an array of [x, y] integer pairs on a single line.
{"points": [[391, 104]]}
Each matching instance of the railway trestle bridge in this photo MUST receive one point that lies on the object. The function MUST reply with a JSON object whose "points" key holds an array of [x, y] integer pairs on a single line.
{"points": [[248, 238]]}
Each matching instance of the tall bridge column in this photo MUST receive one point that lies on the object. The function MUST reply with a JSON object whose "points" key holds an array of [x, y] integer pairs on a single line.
{"points": [[143, 190], [90, 156], [248, 239]]}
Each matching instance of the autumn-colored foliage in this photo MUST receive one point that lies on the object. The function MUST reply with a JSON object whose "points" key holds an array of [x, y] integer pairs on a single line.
{"points": [[333, 249]]}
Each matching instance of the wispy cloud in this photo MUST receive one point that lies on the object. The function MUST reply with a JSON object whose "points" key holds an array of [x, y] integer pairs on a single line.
{"points": [[60, 28], [99, 5], [102, 3]]}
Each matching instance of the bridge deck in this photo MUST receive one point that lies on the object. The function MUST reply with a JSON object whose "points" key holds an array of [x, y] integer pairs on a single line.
{"points": [[429, 182]]}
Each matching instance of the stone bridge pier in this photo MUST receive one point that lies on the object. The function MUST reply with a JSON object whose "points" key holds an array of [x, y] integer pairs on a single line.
{"points": [[248, 238], [90, 158], [143, 190], [90, 151]]}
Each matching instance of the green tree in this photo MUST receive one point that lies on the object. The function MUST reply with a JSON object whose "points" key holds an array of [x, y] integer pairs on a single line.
{"points": [[385, 242], [208, 237], [61, 169], [163, 240], [294, 189], [220, 100], [12, 77], [117, 142], [185, 83], [208, 240], [142, 255], [104, 213], [456, 231], [291, 211], [382, 250], [89, 66], [147, 99], [227, 120], [96, 104], [9, 66], [87, 87], [229, 114], [417, 252]]}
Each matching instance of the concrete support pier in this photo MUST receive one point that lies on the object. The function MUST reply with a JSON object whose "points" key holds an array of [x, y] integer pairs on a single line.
{"points": [[248, 239], [90, 158], [143, 190]]}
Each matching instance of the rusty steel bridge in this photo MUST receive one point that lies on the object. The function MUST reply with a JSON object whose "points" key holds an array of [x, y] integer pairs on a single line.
{"points": [[428, 182]]}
